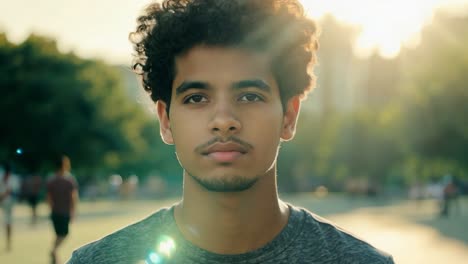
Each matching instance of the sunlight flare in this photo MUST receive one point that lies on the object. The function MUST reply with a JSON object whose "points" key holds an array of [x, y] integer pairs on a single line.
{"points": [[385, 26]]}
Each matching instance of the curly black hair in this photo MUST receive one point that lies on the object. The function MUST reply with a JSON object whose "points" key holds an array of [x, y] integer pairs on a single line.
{"points": [[278, 27]]}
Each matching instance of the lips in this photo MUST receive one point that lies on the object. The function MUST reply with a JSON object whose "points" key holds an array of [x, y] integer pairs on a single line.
{"points": [[225, 157], [225, 152]]}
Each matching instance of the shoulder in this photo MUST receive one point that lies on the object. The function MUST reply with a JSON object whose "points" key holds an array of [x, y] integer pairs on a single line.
{"points": [[124, 245], [71, 180], [51, 180], [341, 245], [53, 184]]}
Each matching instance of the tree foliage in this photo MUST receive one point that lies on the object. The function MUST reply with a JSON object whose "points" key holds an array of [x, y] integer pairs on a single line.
{"points": [[409, 124], [55, 103], [436, 96]]}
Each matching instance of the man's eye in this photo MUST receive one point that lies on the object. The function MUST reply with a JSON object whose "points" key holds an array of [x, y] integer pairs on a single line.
{"points": [[250, 98], [195, 99]]}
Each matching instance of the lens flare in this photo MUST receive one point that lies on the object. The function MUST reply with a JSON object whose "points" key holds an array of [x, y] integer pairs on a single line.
{"points": [[163, 251], [166, 246], [154, 258]]}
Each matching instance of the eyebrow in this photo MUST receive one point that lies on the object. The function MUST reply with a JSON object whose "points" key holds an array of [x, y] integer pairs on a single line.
{"points": [[260, 84], [187, 85]]}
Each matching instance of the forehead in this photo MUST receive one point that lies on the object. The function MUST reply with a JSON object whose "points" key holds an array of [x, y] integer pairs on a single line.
{"points": [[221, 65]]}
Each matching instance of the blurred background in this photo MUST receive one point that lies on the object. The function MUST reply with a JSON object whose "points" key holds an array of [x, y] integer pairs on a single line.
{"points": [[381, 147]]}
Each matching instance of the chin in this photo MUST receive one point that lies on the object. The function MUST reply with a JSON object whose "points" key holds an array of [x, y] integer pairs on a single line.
{"points": [[225, 184]]}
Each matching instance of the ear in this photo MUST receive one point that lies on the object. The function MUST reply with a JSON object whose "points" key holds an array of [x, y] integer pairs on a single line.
{"points": [[290, 118], [164, 123]]}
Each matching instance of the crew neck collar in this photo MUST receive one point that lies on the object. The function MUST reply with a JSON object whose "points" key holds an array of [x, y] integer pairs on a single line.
{"points": [[268, 251]]}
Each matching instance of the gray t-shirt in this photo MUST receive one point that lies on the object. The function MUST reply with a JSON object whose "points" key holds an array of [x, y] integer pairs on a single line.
{"points": [[307, 238]]}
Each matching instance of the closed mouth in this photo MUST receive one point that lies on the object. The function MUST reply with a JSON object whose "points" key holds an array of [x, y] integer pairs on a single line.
{"points": [[228, 147]]}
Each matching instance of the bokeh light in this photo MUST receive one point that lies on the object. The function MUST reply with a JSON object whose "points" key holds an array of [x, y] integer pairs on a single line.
{"points": [[19, 151]]}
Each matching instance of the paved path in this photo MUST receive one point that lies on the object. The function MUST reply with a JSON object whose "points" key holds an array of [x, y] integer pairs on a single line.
{"points": [[407, 241], [410, 231]]}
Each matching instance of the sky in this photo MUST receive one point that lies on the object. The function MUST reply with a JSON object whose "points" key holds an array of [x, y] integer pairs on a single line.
{"points": [[99, 28]]}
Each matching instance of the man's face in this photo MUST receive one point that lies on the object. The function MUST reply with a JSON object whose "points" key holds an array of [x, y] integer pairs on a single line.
{"points": [[226, 119]]}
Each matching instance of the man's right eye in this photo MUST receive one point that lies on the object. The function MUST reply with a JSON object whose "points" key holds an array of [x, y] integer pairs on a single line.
{"points": [[195, 99]]}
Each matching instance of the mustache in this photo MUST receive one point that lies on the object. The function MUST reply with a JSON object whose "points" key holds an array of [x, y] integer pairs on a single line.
{"points": [[202, 147]]}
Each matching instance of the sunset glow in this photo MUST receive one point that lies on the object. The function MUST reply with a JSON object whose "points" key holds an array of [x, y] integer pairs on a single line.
{"points": [[385, 25]]}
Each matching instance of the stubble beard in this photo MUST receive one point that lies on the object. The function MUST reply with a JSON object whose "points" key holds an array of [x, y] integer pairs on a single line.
{"points": [[233, 184]]}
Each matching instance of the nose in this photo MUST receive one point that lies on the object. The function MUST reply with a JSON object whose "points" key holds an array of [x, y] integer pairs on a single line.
{"points": [[224, 121]]}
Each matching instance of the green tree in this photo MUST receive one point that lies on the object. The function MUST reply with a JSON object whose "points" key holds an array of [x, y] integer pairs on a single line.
{"points": [[436, 108], [54, 103]]}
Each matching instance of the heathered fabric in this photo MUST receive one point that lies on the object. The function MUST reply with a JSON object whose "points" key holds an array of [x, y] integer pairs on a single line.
{"points": [[307, 238]]}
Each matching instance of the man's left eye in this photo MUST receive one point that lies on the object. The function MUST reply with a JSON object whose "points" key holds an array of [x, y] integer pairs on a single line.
{"points": [[250, 98]]}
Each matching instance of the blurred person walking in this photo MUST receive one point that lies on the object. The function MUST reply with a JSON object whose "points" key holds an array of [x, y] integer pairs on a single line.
{"points": [[32, 187], [8, 188], [62, 197], [450, 193]]}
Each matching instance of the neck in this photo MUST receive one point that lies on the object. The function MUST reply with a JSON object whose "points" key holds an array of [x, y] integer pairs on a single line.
{"points": [[231, 223]]}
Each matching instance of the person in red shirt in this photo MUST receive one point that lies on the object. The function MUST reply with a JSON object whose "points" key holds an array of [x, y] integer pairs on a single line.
{"points": [[62, 197]]}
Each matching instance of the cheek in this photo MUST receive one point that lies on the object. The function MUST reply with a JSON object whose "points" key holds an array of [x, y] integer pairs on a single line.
{"points": [[265, 136], [265, 127], [272, 118], [186, 133]]}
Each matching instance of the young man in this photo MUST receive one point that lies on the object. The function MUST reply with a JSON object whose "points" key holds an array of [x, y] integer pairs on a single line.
{"points": [[228, 77], [62, 197]]}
